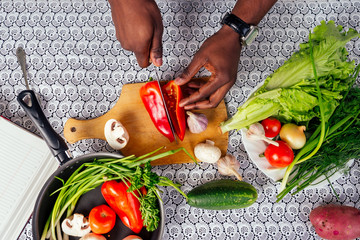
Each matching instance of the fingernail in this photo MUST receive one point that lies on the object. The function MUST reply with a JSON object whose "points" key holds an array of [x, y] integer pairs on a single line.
{"points": [[158, 62], [181, 104], [178, 81]]}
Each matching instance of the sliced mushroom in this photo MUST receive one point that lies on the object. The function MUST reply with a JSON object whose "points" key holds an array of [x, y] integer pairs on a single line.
{"points": [[116, 134], [93, 236], [76, 225]]}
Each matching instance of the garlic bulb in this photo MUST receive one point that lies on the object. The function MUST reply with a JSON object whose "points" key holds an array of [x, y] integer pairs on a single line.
{"points": [[256, 132], [197, 122], [207, 152], [229, 166]]}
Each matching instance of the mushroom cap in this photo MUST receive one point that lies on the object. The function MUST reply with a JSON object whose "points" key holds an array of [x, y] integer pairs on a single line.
{"points": [[76, 225], [116, 134]]}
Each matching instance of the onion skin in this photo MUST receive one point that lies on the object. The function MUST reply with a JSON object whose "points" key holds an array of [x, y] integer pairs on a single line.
{"points": [[293, 135]]}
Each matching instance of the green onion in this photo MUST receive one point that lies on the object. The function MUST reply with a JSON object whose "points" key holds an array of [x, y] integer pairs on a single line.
{"points": [[92, 174], [322, 120]]}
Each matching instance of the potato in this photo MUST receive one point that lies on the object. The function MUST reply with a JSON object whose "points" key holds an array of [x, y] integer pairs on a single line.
{"points": [[336, 222]]}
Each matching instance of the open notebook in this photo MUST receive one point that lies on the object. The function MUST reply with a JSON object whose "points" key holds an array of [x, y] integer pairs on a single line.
{"points": [[25, 164]]}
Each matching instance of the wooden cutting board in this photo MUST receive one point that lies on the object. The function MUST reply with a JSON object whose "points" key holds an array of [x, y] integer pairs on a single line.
{"points": [[144, 137]]}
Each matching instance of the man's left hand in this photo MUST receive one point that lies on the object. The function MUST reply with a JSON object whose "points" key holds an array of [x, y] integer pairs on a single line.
{"points": [[219, 54]]}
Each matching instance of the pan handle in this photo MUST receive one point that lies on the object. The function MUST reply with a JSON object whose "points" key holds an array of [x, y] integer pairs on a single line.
{"points": [[56, 143]]}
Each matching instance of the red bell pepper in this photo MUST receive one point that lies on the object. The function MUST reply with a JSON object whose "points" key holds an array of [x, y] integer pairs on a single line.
{"points": [[124, 203], [173, 95], [151, 97]]}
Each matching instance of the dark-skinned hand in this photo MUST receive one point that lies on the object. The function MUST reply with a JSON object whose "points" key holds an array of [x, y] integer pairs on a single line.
{"points": [[139, 29], [219, 54]]}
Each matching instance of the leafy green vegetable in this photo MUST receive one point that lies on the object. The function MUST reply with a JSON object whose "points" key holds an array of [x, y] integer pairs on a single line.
{"points": [[328, 43], [321, 137], [290, 93], [341, 144], [92, 174]]}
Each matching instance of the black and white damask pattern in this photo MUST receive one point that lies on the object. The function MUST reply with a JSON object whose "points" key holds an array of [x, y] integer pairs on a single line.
{"points": [[78, 67]]}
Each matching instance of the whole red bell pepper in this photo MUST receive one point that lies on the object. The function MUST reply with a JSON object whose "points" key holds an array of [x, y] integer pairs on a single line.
{"points": [[124, 203], [151, 97]]}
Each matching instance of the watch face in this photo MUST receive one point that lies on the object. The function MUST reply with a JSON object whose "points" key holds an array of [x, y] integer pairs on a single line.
{"points": [[250, 37]]}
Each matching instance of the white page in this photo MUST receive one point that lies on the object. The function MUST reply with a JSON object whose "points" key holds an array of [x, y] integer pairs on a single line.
{"points": [[25, 164]]}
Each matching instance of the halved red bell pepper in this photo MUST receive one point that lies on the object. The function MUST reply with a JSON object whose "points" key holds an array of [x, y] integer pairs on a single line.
{"points": [[151, 97], [173, 95], [124, 203]]}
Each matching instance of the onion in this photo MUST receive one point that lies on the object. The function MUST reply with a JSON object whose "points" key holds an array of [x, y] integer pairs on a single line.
{"points": [[293, 135]]}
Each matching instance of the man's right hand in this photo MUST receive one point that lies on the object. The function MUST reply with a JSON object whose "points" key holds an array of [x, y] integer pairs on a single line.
{"points": [[139, 29]]}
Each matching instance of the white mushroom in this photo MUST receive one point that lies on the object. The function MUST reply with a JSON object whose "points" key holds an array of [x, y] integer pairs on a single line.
{"points": [[116, 134], [207, 152], [76, 225], [93, 236]]}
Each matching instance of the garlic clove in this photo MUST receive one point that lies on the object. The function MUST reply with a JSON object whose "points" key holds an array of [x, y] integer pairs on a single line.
{"points": [[116, 134], [229, 166], [197, 122], [256, 132], [207, 152]]}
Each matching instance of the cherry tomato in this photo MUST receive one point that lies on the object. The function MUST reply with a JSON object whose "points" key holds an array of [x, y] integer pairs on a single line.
{"points": [[271, 126], [102, 219], [280, 156]]}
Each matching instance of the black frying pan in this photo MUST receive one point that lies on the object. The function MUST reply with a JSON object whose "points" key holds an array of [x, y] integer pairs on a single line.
{"points": [[45, 202]]}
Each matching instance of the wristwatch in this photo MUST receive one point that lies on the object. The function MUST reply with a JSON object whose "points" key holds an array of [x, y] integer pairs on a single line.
{"points": [[247, 32]]}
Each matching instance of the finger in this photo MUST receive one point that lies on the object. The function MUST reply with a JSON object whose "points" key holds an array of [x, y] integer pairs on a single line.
{"points": [[204, 92], [194, 66], [213, 100], [142, 58], [156, 48], [196, 84]]}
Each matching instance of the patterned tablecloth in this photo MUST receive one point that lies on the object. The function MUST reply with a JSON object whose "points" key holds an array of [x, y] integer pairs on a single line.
{"points": [[78, 67]]}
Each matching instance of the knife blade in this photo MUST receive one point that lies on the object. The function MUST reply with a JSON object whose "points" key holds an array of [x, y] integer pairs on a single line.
{"points": [[166, 109]]}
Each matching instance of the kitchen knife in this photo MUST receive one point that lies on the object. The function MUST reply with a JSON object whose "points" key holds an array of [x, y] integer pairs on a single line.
{"points": [[166, 109]]}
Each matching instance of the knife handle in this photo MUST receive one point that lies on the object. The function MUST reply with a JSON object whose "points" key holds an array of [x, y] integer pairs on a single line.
{"points": [[56, 143]]}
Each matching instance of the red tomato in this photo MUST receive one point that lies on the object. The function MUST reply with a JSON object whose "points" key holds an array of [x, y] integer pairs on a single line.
{"points": [[102, 219], [271, 126], [280, 156]]}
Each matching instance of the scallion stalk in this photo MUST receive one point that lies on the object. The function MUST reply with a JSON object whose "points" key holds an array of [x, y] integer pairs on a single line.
{"points": [[91, 175], [322, 124]]}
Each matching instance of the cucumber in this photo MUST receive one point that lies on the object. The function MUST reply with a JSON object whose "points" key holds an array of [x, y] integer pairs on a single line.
{"points": [[222, 194]]}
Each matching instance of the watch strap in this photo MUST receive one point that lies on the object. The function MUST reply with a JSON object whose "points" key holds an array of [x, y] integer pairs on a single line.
{"points": [[236, 24]]}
